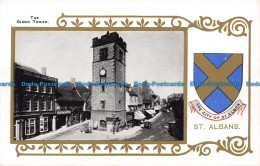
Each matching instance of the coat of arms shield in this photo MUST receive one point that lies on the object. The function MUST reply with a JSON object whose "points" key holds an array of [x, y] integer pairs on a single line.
{"points": [[218, 79]]}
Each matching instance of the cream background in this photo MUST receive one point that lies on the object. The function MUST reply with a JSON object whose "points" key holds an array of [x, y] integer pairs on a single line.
{"points": [[10, 11]]}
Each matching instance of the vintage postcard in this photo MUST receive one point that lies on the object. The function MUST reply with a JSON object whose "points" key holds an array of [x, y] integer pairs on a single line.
{"points": [[125, 83]]}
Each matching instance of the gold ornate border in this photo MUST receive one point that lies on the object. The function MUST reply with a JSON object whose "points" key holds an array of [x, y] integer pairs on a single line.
{"points": [[236, 145], [233, 145], [235, 26]]}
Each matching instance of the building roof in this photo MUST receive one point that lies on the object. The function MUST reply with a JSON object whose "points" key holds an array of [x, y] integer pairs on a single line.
{"points": [[84, 92], [74, 93], [23, 67], [132, 93], [67, 95], [32, 72]]}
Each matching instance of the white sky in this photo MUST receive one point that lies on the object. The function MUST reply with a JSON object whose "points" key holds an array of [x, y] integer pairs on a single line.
{"points": [[152, 55]]}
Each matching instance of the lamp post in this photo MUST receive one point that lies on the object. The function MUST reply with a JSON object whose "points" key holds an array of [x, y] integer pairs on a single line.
{"points": [[114, 121]]}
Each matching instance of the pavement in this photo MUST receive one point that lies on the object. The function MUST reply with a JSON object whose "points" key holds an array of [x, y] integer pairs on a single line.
{"points": [[61, 131]]}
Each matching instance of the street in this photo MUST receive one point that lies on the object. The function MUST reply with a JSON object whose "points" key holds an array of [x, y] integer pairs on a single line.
{"points": [[158, 131]]}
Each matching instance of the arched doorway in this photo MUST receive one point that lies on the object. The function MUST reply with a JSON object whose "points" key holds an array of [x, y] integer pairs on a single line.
{"points": [[102, 125]]}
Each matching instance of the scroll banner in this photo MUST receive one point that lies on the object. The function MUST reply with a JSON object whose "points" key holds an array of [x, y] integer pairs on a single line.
{"points": [[238, 107]]}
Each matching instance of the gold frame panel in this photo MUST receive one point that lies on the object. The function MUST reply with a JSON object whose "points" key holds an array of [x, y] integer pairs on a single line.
{"points": [[236, 145]]}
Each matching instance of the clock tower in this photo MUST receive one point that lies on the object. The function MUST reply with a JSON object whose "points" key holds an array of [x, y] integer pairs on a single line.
{"points": [[108, 99]]}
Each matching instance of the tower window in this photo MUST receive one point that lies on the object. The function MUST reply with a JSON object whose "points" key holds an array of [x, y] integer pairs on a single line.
{"points": [[103, 104], [103, 54], [121, 56], [103, 88], [102, 79]]}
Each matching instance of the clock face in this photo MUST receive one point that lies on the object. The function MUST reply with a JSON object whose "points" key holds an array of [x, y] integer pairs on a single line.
{"points": [[102, 72]]}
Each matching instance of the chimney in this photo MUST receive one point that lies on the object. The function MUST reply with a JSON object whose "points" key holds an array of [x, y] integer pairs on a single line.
{"points": [[43, 70], [73, 80]]}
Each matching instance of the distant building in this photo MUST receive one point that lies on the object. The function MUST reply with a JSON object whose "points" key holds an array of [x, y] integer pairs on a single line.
{"points": [[138, 91], [175, 97], [147, 99], [34, 111], [72, 104], [154, 99], [131, 100], [146, 95]]}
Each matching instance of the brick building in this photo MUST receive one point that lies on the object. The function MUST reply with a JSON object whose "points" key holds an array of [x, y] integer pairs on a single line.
{"points": [[72, 104], [34, 111], [131, 100], [109, 63]]}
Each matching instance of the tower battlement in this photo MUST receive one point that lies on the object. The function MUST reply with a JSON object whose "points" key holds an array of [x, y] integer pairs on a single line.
{"points": [[109, 38]]}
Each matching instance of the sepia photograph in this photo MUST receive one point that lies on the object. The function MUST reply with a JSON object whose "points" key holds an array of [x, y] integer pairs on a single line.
{"points": [[98, 85]]}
